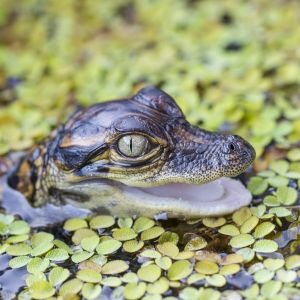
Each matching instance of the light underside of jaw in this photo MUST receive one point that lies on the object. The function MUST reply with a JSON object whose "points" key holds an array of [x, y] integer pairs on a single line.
{"points": [[192, 193], [219, 197]]}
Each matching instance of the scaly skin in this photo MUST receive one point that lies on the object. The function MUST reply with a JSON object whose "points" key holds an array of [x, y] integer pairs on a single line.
{"points": [[85, 149]]}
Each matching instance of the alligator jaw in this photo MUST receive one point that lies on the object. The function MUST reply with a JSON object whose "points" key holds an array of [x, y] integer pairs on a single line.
{"points": [[219, 197]]}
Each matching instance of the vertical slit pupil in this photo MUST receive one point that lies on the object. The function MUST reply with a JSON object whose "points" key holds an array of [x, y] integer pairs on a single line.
{"points": [[130, 145]]}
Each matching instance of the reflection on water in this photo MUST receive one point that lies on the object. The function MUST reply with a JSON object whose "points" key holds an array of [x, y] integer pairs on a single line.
{"points": [[11, 282], [15, 203]]}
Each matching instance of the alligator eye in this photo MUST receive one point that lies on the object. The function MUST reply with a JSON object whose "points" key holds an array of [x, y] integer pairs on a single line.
{"points": [[133, 145]]}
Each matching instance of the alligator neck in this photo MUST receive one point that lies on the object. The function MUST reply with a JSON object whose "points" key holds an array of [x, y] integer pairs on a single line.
{"points": [[27, 172]]}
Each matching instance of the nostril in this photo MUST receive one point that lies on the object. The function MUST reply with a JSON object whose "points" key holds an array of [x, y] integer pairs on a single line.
{"points": [[232, 147]]}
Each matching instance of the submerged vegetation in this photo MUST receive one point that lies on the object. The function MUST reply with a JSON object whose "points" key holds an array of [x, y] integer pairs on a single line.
{"points": [[232, 66]]}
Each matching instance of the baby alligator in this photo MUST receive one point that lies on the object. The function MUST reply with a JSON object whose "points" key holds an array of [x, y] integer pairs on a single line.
{"points": [[111, 157]]}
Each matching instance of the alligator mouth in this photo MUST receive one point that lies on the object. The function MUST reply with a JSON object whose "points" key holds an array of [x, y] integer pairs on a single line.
{"points": [[193, 193], [183, 200], [179, 200]]}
